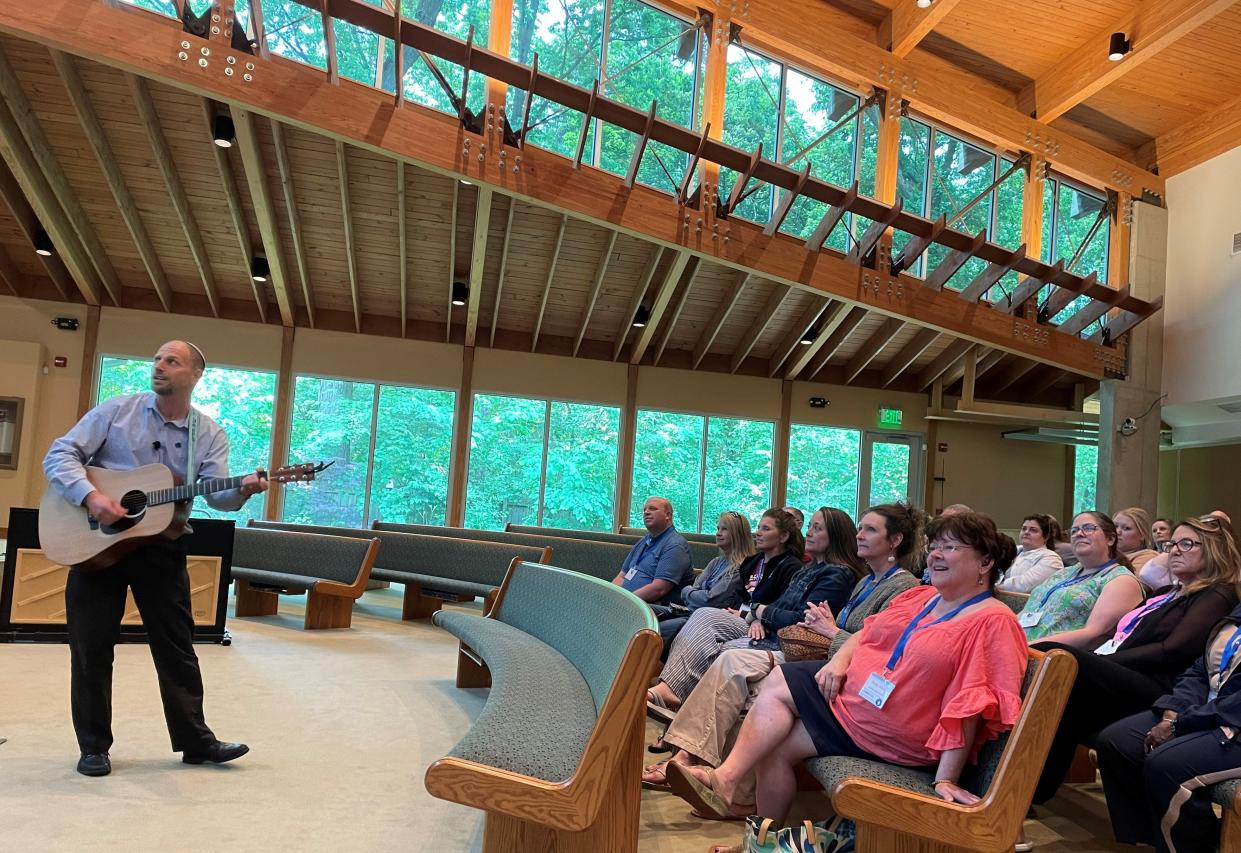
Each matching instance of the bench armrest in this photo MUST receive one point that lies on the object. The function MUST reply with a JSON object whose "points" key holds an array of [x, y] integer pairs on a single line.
{"points": [[355, 589]]}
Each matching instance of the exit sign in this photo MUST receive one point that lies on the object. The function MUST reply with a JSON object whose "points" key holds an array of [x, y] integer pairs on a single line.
{"points": [[890, 417]]}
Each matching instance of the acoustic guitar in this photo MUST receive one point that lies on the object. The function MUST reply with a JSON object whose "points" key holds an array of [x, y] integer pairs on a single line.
{"points": [[157, 507]]}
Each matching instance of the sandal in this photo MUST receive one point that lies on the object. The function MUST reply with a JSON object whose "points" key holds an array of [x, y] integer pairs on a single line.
{"points": [[657, 709], [702, 797], [658, 747]]}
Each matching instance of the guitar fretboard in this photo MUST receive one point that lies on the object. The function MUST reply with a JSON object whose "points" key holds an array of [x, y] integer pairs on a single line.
{"points": [[184, 493]]}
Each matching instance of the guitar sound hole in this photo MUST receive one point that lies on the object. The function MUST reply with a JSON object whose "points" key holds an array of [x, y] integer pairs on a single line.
{"points": [[135, 504]]}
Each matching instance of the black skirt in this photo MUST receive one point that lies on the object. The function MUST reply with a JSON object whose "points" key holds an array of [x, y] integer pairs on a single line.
{"points": [[829, 736]]}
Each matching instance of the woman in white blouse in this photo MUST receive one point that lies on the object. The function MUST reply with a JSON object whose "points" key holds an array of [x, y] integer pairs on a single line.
{"points": [[1036, 560]]}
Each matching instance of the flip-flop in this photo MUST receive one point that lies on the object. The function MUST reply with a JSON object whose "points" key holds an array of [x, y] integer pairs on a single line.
{"points": [[702, 798], [657, 710], [657, 786]]}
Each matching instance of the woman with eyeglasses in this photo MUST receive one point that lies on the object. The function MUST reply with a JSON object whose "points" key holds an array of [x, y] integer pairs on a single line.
{"points": [[1133, 536], [1076, 605], [1151, 645], [1036, 561], [924, 684], [1158, 764]]}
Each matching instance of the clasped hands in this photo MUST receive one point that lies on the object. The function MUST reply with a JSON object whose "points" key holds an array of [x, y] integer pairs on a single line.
{"points": [[819, 619]]}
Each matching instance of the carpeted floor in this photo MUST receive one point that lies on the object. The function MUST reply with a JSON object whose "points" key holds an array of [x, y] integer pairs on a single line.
{"points": [[342, 725]]}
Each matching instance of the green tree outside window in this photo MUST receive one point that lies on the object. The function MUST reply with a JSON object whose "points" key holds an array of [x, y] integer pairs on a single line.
{"points": [[824, 467]]}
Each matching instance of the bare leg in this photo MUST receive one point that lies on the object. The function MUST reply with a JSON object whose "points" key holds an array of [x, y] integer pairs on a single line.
{"points": [[775, 780]]}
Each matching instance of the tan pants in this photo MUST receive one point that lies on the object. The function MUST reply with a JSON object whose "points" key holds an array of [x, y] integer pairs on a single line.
{"points": [[708, 721]]}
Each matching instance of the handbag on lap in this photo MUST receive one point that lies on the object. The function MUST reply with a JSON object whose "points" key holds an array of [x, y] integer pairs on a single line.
{"points": [[799, 643]]}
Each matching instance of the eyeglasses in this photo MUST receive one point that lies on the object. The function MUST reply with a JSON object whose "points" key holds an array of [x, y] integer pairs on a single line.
{"points": [[1209, 521], [1183, 545], [948, 547], [1088, 527]]}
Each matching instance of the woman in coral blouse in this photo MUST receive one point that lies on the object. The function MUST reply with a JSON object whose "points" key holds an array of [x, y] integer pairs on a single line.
{"points": [[925, 683]]}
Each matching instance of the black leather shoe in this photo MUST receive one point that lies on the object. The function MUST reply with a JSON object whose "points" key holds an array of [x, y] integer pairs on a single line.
{"points": [[217, 753], [94, 764]]}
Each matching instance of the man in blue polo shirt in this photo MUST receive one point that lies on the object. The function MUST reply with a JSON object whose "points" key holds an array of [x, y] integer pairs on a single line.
{"points": [[659, 563]]}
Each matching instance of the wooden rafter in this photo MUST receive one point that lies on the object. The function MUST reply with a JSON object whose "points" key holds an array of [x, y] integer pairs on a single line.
{"points": [[775, 301], [722, 312], [478, 262], [176, 190], [906, 25], [92, 128], [8, 273], [636, 301], [871, 348], [28, 222], [1088, 314], [351, 247], [601, 270], [453, 201], [289, 195], [1152, 26], [547, 283], [850, 321], [1042, 382], [242, 230], [508, 229], [1019, 368], [19, 107], [691, 275], [244, 123], [942, 362], [402, 243], [909, 353], [1215, 131], [659, 305], [830, 319], [793, 339]]}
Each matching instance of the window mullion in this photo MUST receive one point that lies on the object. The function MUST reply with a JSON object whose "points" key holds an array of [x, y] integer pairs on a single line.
{"points": [[547, 428], [370, 457], [702, 471]]}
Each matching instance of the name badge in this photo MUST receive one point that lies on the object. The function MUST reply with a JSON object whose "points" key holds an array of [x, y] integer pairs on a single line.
{"points": [[1107, 648], [629, 575], [1029, 618], [877, 689]]}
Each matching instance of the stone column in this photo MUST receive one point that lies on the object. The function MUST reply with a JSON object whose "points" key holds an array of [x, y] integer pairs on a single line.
{"points": [[1129, 464]]}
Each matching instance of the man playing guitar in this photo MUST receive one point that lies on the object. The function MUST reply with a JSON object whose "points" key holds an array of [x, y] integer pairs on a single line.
{"points": [[124, 433]]}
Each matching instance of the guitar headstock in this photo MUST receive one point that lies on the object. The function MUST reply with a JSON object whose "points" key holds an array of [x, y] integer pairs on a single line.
{"points": [[303, 473]]}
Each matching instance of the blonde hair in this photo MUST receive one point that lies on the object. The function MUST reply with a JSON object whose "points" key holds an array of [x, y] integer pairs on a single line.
{"points": [[1141, 520], [741, 540], [1220, 558]]}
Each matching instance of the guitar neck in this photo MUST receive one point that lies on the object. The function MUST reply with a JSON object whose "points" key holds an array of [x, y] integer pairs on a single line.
{"points": [[185, 493]]}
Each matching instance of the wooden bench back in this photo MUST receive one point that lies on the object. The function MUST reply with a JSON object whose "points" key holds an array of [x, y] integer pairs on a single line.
{"points": [[700, 553], [336, 558]]}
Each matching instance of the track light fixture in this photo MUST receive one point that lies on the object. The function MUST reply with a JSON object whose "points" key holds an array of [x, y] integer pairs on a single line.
{"points": [[641, 317], [808, 336], [460, 293], [1117, 47], [259, 270], [43, 243], [222, 131]]}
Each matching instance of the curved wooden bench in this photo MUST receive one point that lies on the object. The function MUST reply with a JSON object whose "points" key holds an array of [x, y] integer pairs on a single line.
{"points": [[896, 808], [555, 757], [1228, 796]]}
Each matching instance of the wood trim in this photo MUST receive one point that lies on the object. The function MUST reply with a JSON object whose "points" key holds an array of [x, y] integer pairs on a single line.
{"points": [[547, 284], [402, 243], [850, 320], [478, 262], [176, 190], [636, 300], [264, 210], [662, 297], [463, 425], [282, 421], [759, 326], [289, 194], [1212, 133], [831, 317], [906, 25], [628, 430], [780, 453], [508, 229], [351, 247], [596, 285], [714, 88], [695, 266], [86, 374], [27, 221], [791, 341], [499, 40], [1152, 26]]}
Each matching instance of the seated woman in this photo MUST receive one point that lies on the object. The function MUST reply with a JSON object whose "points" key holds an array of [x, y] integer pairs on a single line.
{"points": [[925, 683], [1152, 644], [1161, 532], [1036, 561], [1158, 764], [718, 584], [1077, 605], [763, 578], [703, 726], [1133, 536]]}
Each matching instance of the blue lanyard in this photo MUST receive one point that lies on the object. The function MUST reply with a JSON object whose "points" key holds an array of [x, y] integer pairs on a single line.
{"points": [[914, 626], [868, 586], [1230, 649], [1127, 625], [1076, 579]]}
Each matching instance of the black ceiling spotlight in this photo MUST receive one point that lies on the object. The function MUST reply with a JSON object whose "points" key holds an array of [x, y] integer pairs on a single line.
{"points": [[808, 336], [460, 293], [43, 243], [259, 270], [1117, 47], [222, 131], [641, 317]]}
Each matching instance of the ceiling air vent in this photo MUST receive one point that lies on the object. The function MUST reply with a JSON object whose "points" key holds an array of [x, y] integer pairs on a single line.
{"points": [[1236, 243], [1231, 408]]}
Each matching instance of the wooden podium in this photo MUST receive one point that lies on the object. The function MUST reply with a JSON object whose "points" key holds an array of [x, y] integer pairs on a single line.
{"points": [[32, 596]]}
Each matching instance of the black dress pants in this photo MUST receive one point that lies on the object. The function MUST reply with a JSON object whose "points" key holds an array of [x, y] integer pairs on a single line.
{"points": [[1161, 798], [95, 603], [1103, 693]]}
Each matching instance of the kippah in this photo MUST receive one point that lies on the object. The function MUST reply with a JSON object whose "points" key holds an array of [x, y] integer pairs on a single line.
{"points": [[200, 353]]}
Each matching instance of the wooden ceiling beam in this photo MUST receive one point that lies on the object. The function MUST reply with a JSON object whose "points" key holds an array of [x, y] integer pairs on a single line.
{"points": [[906, 25], [806, 322], [351, 246], [176, 190], [849, 321], [873, 345], [1019, 368], [768, 313], [19, 107], [289, 195], [240, 228], [508, 229], [909, 353], [255, 169], [942, 362], [478, 262], [1042, 383], [1084, 71], [8, 272], [1210, 134], [601, 271], [28, 223], [831, 319], [102, 148], [722, 312], [547, 283], [659, 306], [452, 257], [690, 276], [402, 243], [636, 301]]}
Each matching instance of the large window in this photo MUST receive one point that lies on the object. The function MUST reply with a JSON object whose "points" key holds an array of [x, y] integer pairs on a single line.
{"points": [[541, 462], [1085, 477], [242, 402], [824, 467], [1076, 229], [391, 446], [704, 465]]}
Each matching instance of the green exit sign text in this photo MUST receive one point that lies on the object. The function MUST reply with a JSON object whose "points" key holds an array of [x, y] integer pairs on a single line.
{"points": [[890, 417]]}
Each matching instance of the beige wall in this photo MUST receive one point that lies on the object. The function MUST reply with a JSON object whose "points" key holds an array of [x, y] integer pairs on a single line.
{"points": [[1200, 479], [716, 393], [227, 343], [528, 375], [372, 358]]}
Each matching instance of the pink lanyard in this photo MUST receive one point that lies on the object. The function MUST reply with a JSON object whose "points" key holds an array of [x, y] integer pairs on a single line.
{"points": [[1128, 623]]}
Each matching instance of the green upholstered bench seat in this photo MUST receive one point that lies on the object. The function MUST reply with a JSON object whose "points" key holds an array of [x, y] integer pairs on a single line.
{"points": [[275, 580], [1224, 793], [433, 583], [540, 712]]}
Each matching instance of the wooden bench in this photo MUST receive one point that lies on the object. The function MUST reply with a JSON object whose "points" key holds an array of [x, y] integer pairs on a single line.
{"points": [[700, 553], [639, 532], [433, 568], [555, 756], [331, 570], [896, 808]]}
